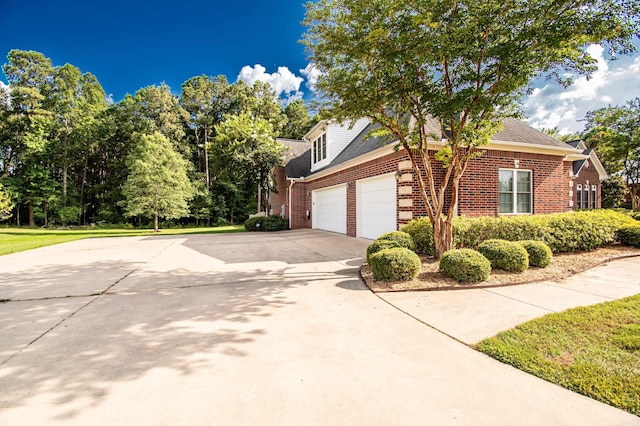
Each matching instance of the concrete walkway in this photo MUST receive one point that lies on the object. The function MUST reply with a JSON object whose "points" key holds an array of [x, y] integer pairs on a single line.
{"points": [[472, 315], [242, 329]]}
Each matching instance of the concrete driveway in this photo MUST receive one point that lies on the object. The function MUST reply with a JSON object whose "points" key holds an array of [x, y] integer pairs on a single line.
{"points": [[241, 329]]}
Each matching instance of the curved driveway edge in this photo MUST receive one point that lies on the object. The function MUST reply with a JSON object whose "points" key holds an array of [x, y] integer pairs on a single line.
{"points": [[474, 314], [241, 329]]}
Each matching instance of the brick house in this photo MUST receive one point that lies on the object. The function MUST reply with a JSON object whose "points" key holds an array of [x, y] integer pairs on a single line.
{"points": [[587, 175], [343, 182]]}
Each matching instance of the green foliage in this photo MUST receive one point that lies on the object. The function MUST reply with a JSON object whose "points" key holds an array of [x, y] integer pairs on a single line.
{"points": [[630, 235], [505, 255], [276, 223], [540, 254], [378, 245], [421, 231], [298, 120], [591, 350], [402, 238], [395, 264], [254, 224], [266, 223], [562, 232], [613, 192], [465, 265], [157, 185], [5, 204], [636, 215]]}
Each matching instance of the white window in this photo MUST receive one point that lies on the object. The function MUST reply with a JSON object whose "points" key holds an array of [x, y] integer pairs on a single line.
{"points": [[320, 149], [515, 189], [586, 197], [579, 196], [594, 196]]}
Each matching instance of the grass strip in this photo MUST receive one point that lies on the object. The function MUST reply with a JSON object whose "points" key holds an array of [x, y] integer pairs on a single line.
{"points": [[592, 350], [13, 240]]}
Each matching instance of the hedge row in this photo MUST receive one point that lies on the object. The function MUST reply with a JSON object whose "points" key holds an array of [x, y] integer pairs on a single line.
{"points": [[562, 232], [266, 223]]}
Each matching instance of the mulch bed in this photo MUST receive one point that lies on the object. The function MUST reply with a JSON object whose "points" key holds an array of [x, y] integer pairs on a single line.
{"points": [[563, 265]]}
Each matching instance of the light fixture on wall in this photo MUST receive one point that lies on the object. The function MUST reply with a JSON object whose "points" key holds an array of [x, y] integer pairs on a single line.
{"points": [[398, 175]]}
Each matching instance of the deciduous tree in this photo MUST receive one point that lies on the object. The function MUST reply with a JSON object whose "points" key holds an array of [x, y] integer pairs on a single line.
{"points": [[615, 135], [157, 185], [462, 63]]}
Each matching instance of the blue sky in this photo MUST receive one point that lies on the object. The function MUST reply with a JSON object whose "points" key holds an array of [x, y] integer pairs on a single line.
{"points": [[132, 44]]}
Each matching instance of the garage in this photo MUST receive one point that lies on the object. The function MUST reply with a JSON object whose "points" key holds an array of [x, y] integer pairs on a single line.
{"points": [[376, 206], [330, 209]]}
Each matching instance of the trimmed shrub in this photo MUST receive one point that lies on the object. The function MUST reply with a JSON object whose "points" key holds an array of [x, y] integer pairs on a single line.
{"points": [[540, 254], [465, 265], [275, 223], [378, 245], [254, 224], [421, 230], [505, 255], [636, 215], [402, 238], [395, 264], [562, 232], [630, 236]]}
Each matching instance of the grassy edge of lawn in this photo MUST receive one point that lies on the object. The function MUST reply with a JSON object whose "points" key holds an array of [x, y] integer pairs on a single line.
{"points": [[13, 240], [592, 350]]}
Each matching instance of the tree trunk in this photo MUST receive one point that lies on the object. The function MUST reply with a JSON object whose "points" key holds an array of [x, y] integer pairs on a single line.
{"points": [[155, 223], [259, 198], [635, 200], [442, 236], [32, 222]]}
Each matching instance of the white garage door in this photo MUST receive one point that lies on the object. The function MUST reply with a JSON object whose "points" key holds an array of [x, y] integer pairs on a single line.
{"points": [[376, 206], [330, 209]]}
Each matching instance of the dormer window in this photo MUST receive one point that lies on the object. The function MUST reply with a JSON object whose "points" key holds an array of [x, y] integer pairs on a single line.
{"points": [[320, 149]]}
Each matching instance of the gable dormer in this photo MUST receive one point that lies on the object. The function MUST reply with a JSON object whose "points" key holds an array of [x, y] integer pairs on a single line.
{"points": [[329, 138]]}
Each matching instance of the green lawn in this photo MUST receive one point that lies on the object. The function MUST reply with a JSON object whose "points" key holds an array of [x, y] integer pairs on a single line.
{"points": [[593, 350], [13, 240]]}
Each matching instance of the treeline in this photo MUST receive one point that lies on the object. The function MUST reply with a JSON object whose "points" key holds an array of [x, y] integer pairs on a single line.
{"points": [[65, 152]]}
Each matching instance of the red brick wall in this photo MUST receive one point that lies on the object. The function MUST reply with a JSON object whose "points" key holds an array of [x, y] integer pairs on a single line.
{"points": [[479, 185], [587, 174]]}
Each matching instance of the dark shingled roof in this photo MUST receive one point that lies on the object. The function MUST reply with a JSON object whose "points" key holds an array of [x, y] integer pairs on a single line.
{"points": [[513, 131], [577, 165], [517, 131]]}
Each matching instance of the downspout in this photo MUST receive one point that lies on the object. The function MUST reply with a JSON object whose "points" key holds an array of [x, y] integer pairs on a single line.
{"points": [[293, 180]]}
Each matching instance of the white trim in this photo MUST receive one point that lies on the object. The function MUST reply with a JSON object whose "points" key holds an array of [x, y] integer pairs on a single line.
{"points": [[380, 152]]}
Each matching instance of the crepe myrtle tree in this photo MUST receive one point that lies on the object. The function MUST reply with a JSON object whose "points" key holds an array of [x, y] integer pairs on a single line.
{"points": [[464, 64]]}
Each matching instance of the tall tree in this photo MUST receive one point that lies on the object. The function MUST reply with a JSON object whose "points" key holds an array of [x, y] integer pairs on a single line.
{"points": [[614, 132], [158, 185], [298, 120], [207, 100], [462, 63], [247, 146]]}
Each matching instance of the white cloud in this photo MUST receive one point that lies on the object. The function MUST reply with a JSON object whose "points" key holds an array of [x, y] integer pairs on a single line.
{"points": [[284, 82], [110, 100], [614, 83], [312, 74]]}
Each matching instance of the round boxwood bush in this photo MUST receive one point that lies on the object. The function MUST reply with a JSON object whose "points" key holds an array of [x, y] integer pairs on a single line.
{"points": [[629, 236], [254, 224], [505, 255], [395, 264], [402, 238], [378, 245], [540, 254], [275, 223], [465, 265], [421, 230]]}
